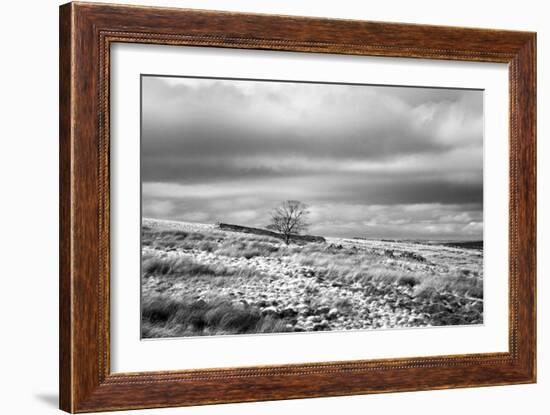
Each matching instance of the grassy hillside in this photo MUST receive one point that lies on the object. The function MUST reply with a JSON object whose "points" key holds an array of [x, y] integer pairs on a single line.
{"points": [[200, 280]]}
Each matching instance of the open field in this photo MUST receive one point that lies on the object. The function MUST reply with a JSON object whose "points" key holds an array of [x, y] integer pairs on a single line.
{"points": [[200, 280]]}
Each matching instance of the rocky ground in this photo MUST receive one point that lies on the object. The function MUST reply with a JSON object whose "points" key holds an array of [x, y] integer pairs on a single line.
{"points": [[343, 284]]}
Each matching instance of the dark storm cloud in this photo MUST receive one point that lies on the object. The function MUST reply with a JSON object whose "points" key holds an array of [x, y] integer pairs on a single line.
{"points": [[214, 149], [231, 118]]}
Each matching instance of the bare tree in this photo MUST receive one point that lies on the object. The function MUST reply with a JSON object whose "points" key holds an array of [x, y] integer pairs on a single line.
{"points": [[289, 218]]}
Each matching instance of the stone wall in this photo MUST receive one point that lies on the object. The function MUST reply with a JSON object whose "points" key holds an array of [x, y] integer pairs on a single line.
{"points": [[265, 232]]}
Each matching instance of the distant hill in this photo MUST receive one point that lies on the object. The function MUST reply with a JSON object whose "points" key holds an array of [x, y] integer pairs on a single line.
{"points": [[464, 244], [451, 244]]}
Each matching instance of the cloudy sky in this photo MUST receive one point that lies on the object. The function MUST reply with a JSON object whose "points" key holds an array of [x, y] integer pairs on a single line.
{"points": [[370, 161]]}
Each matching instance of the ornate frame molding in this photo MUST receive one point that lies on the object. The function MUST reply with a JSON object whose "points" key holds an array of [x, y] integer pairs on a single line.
{"points": [[86, 33]]}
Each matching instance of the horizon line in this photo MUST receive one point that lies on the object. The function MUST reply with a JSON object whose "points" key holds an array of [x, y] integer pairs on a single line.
{"points": [[380, 238]]}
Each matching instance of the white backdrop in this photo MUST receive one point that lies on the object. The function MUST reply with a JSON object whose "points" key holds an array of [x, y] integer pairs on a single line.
{"points": [[29, 205]]}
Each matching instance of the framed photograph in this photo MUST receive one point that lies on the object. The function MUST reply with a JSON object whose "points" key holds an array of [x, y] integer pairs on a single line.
{"points": [[258, 207]]}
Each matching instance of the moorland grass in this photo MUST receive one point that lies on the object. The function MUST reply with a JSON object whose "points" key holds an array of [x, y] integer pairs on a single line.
{"points": [[164, 316], [351, 264], [342, 264]]}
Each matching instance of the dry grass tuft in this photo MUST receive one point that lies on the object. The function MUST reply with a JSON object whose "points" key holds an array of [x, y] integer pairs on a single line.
{"points": [[164, 316]]}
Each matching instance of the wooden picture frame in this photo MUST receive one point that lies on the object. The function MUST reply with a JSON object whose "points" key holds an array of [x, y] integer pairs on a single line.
{"points": [[86, 33]]}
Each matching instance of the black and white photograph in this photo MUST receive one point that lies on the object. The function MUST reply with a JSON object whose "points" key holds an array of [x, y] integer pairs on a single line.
{"points": [[273, 206]]}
